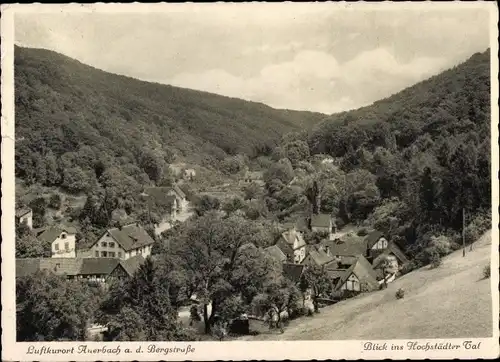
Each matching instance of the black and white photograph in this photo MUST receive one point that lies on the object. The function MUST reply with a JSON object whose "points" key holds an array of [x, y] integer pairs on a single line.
{"points": [[250, 173]]}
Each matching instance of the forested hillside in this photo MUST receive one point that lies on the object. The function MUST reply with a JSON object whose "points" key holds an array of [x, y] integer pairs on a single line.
{"points": [[69, 114], [417, 159]]}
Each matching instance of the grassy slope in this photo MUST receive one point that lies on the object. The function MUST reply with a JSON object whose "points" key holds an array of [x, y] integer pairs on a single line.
{"points": [[452, 301]]}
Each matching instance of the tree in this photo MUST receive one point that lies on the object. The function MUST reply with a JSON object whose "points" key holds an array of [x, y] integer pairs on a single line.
{"points": [[28, 246], [251, 191], [428, 196], [51, 308], [281, 170], [216, 254], [206, 203], [296, 151], [233, 205], [315, 280], [147, 294], [277, 300]]}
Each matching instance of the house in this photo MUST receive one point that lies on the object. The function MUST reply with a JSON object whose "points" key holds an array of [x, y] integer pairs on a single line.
{"points": [[323, 223], [24, 215], [275, 252], [62, 240], [377, 244], [90, 269], [394, 256], [344, 248], [123, 243], [162, 199], [254, 176], [180, 196], [317, 257], [189, 174], [359, 277], [293, 245]]}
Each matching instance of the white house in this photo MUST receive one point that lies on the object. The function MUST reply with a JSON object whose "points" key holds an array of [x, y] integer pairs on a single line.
{"points": [[180, 196], [25, 215], [293, 245], [123, 243], [62, 241]]}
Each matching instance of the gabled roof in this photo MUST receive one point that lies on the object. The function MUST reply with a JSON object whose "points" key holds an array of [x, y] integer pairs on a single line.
{"points": [[92, 266], [291, 236], [391, 248], [20, 212], [372, 238], [321, 220], [131, 237], [347, 245], [293, 271], [365, 272], [52, 233], [276, 253], [132, 264], [319, 257]]}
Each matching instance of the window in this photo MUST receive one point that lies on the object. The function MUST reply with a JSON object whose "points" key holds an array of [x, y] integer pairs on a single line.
{"points": [[96, 254], [104, 254], [63, 236], [111, 254], [119, 254], [56, 246], [111, 244], [104, 244], [66, 246], [139, 251]]}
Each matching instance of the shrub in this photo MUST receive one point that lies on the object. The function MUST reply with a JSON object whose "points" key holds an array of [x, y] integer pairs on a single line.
{"points": [[487, 272], [363, 232], [400, 294], [435, 260], [408, 267], [55, 201]]}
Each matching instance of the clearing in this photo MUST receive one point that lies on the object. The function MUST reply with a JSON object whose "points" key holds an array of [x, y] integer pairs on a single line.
{"points": [[451, 301]]}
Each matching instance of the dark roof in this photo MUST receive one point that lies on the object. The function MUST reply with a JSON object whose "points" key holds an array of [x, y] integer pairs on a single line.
{"points": [[319, 257], [92, 266], [131, 237], [347, 245], [293, 271], [372, 238], [160, 196], [22, 211], [391, 247], [52, 233], [27, 266], [365, 272], [76, 266], [276, 253], [342, 274], [178, 191], [61, 266], [321, 220]]}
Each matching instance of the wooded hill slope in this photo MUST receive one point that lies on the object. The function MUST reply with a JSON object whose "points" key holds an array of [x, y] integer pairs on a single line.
{"points": [[62, 104]]}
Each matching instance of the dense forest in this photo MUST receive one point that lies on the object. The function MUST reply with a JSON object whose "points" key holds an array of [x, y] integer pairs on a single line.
{"points": [[76, 121]]}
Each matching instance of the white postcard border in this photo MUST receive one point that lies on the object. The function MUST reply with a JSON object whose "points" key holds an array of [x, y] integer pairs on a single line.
{"points": [[235, 350]]}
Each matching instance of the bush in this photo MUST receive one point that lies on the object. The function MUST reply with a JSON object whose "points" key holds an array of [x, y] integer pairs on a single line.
{"points": [[435, 260], [400, 294], [408, 267], [487, 272], [55, 201]]}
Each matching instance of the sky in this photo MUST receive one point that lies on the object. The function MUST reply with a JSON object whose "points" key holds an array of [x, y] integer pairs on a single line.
{"points": [[317, 57]]}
